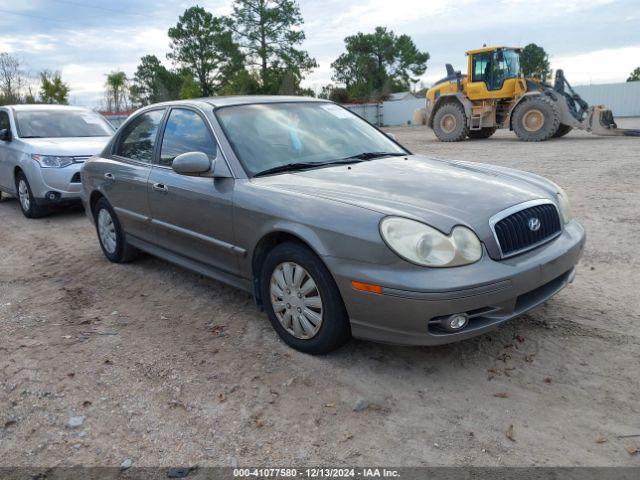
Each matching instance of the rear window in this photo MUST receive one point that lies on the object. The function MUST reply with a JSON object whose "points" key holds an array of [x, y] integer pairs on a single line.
{"points": [[61, 123]]}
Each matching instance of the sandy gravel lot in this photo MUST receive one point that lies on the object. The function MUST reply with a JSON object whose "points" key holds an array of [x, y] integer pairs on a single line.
{"points": [[164, 367]]}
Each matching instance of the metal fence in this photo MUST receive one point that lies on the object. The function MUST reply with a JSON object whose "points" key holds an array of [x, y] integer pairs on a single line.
{"points": [[622, 98], [371, 112]]}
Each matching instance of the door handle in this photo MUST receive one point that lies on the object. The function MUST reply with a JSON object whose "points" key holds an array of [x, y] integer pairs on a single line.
{"points": [[109, 176], [159, 187]]}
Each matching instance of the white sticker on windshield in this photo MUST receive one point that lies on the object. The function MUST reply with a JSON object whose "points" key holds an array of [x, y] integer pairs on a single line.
{"points": [[337, 111], [90, 119]]}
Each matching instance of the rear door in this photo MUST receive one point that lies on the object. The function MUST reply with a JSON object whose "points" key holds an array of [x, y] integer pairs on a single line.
{"points": [[125, 178], [192, 215]]}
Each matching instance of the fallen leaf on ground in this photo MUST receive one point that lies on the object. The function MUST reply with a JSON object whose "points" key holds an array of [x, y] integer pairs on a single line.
{"points": [[509, 433], [501, 395], [633, 450], [259, 422], [547, 380], [217, 329]]}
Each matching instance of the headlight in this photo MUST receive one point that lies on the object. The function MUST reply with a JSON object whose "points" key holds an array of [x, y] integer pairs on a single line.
{"points": [[565, 205], [424, 245], [48, 161]]}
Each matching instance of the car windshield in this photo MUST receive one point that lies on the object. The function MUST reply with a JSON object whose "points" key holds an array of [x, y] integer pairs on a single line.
{"points": [[61, 123], [280, 136]]}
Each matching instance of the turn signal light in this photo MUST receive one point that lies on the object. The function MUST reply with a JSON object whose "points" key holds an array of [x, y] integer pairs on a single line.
{"points": [[366, 287]]}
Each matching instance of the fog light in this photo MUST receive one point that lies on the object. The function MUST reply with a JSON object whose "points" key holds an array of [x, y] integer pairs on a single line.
{"points": [[52, 196], [455, 322]]}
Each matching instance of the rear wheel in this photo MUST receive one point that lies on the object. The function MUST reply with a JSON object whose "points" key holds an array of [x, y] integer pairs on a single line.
{"points": [[536, 119], [111, 235], [485, 132], [450, 123], [562, 130], [26, 199], [302, 300]]}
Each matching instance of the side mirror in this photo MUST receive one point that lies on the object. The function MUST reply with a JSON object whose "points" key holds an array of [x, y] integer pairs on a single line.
{"points": [[392, 136], [191, 163], [5, 135]]}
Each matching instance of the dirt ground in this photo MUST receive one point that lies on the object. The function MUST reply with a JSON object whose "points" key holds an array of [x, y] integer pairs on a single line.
{"points": [[163, 367]]}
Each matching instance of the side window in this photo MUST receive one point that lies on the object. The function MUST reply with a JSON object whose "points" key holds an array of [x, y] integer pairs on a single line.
{"points": [[4, 120], [185, 132], [138, 138], [481, 62]]}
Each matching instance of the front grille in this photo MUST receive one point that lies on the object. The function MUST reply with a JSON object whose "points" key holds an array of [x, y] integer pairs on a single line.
{"points": [[515, 235], [76, 178]]}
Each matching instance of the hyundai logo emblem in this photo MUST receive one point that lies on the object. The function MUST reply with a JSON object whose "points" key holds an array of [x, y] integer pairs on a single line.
{"points": [[534, 224]]}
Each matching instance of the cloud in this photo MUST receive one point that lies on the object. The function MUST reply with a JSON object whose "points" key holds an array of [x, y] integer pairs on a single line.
{"points": [[608, 65], [593, 40]]}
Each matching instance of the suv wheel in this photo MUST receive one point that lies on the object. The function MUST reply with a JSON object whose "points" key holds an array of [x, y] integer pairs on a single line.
{"points": [[111, 235], [25, 198], [302, 300]]}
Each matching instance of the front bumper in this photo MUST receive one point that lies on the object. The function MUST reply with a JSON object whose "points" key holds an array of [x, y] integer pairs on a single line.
{"points": [[491, 292], [64, 183]]}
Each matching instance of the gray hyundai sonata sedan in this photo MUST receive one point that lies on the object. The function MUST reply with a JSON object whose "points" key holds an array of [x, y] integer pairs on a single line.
{"points": [[335, 228]]}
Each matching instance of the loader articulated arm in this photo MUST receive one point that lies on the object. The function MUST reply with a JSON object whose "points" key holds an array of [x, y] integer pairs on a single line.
{"points": [[577, 106]]}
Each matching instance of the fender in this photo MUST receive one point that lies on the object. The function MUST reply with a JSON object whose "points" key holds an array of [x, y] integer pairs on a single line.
{"points": [[448, 97]]}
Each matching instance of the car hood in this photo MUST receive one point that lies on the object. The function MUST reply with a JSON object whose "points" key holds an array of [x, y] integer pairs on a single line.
{"points": [[439, 192], [69, 146]]}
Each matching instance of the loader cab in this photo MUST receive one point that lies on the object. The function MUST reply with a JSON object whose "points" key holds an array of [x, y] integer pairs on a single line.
{"points": [[494, 73]]}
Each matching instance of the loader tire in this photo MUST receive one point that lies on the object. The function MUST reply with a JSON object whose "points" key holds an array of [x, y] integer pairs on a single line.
{"points": [[485, 132], [562, 130], [536, 119], [450, 123]]}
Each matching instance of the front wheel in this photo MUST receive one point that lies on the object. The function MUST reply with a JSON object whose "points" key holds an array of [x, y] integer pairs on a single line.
{"points": [[302, 300], [111, 235], [536, 119], [26, 199]]}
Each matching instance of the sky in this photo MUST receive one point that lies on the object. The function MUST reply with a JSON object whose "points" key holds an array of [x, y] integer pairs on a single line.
{"points": [[594, 41]]}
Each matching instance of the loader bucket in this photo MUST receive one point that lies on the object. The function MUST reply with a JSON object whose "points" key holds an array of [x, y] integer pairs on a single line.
{"points": [[601, 122]]}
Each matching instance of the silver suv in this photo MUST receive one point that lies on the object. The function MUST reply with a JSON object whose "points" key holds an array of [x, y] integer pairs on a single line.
{"points": [[42, 148]]}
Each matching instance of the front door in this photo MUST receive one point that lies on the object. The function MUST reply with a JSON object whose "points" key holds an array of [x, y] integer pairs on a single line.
{"points": [[125, 179], [192, 215], [7, 154]]}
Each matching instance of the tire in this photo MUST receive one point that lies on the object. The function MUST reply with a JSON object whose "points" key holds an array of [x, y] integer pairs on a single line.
{"points": [[450, 123], [536, 119], [562, 130], [315, 323], [26, 199], [481, 134], [111, 235]]}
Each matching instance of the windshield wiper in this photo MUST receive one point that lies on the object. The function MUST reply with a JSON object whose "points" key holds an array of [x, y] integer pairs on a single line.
{"points": [[372, 155], [31, 136], [292, 167], [360, 157], [288, 167]]}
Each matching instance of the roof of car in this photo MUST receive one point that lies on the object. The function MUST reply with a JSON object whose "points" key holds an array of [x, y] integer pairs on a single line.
{"points": [[252, 99], [44, 106]]}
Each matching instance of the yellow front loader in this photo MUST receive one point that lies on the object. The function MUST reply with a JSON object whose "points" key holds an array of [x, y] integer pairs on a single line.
{"points": [[494, 94]]}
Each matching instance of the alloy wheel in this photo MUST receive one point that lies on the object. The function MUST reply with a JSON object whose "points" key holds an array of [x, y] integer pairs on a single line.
{"points": [[23, 194]]}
